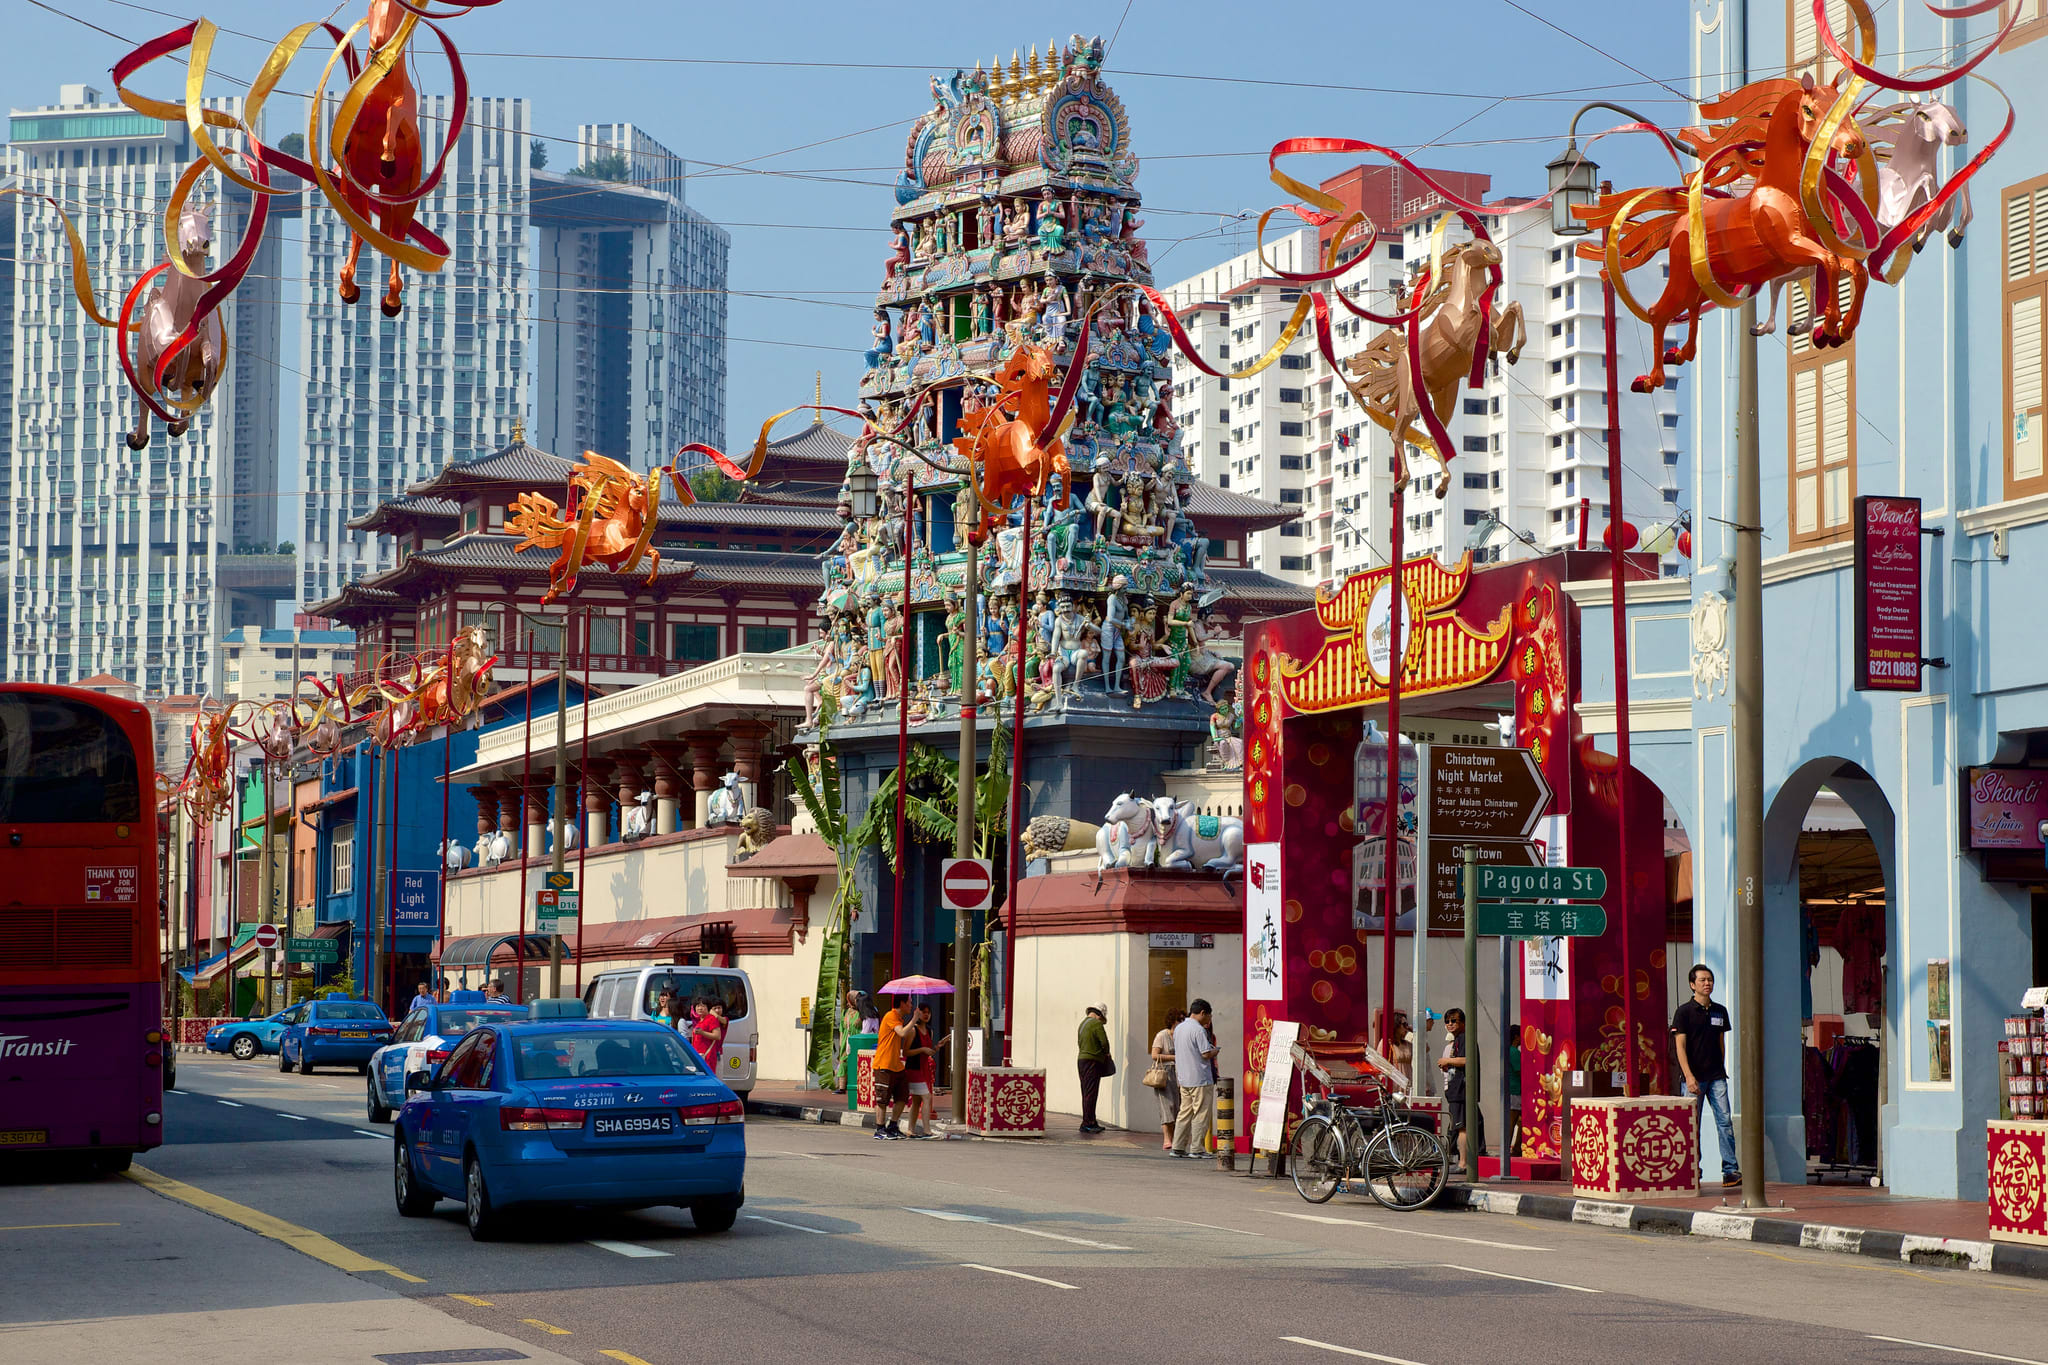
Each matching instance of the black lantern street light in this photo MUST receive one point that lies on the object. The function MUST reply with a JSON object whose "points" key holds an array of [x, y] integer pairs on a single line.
{"points": [[864, 486]]}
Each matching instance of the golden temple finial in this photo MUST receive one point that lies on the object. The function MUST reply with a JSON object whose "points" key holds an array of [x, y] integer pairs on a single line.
{"points": [[1033, 68], [1016, 66], [818, 398], [519, 431]]}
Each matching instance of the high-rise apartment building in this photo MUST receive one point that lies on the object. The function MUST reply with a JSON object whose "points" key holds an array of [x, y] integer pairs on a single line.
{"points": [[389, 401], [1530, 445], [114, 555], [631, 286], [7, 664], [262, 665]]}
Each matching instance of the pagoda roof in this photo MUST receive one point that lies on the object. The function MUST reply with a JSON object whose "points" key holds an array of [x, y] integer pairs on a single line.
{"points": [[1258, 589], [1207, 503], [405, 509], [517, 463]]}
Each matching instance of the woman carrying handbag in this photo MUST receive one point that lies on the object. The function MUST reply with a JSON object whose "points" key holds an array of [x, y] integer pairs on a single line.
{"points": [[1160, 1076]]}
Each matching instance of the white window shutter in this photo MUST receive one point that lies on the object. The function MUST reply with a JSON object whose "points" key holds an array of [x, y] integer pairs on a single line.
{"points": [[2023, 345], [1836, 415], [1805, 452]]}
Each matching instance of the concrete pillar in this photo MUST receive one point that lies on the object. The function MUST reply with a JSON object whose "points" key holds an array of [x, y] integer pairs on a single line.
{"points": [[536, 821], [486, 809], [671, 766], [632, 780], [597, 803], [746, 759], [704, 747]]}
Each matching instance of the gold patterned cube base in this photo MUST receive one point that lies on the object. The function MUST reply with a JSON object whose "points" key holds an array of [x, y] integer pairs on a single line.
{"points": [[2016, 1169], [1645, 1148]]}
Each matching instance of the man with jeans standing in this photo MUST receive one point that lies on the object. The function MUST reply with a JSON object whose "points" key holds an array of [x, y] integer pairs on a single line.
{"points": [[1699, 1031], [1194, 1066]]}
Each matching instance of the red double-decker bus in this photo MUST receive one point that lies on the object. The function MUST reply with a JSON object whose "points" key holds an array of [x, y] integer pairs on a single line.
{"points": [[81, 1048]]}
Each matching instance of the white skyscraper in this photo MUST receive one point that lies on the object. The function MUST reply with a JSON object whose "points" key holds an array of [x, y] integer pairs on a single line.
{"points": [[115, 556], [1529, 446], [631, 286], [389, 401]]}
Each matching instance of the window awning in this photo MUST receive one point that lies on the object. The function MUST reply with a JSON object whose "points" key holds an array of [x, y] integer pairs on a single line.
{"points": [[205, 972], [477, 950]]}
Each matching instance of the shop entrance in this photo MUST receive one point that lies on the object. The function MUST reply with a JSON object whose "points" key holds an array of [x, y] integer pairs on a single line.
{"points": [[1843, 936], [1166, 988]]}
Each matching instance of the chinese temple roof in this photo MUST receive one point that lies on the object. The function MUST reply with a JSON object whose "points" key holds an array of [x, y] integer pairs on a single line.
{"points": [[403, 511], [1209, 504]]}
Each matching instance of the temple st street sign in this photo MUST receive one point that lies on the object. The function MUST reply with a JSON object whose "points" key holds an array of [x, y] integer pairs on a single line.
{"points": [[1514, 919], [312, 950], [1541, 883]]}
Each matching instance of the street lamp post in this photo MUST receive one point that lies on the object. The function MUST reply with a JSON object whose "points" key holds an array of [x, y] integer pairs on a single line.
{"points": [[557, 863]]}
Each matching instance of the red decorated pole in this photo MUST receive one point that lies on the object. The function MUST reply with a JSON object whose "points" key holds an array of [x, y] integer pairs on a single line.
{"points": [[447, 753], [1390, 843], [1016, 849], [1617, 550], [902, 729], [525, 780], [582, 786]]}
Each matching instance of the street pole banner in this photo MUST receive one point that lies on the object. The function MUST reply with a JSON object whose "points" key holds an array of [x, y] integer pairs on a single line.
{"points": [[1887, 594], [1264, 934]]}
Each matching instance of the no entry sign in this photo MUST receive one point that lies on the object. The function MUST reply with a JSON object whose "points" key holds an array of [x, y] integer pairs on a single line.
{"points": [[266, 936], [966, 883]]}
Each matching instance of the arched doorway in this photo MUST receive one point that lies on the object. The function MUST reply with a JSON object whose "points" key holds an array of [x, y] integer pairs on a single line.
{"points": [[1828, 852]]}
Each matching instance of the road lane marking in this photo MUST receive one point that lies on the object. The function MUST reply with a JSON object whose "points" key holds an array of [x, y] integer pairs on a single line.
{"points": [[1060, 1237], [295, 1118], [381, 1137], [1954, 1350], [949, 1216], [1405, 1232], [1016, 1275], [1495, 1274], [547, 1327], [624, 1357], [229, 1103], [39, 1227], [815, 1232], [626, 1248], [1350, 1351], [1211, 1226], [300, 1239], [401, 1275], [472, 1299]]}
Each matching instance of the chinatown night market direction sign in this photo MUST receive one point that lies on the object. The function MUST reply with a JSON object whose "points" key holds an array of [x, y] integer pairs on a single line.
{"points": [[1542, 883], [1478, 792], [312, 950], [1516, 919]]}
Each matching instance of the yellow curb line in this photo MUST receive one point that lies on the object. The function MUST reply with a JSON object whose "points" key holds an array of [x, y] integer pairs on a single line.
{"points": [[305, 1240], [624, 1358], [472, 1299], [546, 1326]]}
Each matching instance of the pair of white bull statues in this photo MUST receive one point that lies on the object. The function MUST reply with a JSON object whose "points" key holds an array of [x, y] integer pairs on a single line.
{"points": [[1162, 833]]}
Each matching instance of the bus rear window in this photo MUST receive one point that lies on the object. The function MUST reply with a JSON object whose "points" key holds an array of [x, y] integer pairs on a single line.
{"points": [[64, 763]]}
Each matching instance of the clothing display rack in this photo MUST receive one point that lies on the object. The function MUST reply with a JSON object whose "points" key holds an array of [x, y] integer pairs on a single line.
{"points": [[1840, 1101]]}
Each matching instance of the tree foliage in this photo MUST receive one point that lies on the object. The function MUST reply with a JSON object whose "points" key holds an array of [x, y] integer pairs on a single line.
{"points": [[712, 484], [537, 154], [611, 166]]}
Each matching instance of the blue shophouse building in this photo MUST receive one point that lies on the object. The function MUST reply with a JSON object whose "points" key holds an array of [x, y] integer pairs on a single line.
{"points": [[1896, 940], [362, 788]]}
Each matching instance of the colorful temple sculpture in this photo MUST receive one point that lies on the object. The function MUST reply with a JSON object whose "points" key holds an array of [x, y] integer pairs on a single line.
{"points": [[1017, 219]]}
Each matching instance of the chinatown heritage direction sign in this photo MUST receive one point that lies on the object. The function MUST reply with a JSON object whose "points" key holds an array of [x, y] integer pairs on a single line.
{"points": [[1517, 919], [1477, 792], [1447, 874], [1887, 594], [1542, 883], [325, 950]]}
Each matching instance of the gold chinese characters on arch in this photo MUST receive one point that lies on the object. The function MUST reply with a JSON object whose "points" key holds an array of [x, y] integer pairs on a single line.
{"points": [[1441, 649]]}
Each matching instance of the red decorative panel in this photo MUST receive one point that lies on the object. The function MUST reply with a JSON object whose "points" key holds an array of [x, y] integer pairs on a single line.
{"points": [[1638, 1148], [864, 1078], [1005, 1101], [2016, 1166]]}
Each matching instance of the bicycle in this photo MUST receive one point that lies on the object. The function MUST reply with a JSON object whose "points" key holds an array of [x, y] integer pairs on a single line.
{"points": [[1401, 1163]]}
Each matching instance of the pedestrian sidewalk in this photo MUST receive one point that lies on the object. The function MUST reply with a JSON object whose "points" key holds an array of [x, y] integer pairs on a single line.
{"points": [[1856, 1220]]}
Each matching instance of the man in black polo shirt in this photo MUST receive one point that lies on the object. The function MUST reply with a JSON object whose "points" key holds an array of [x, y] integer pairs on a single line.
{"points": [[1699, 1032]]}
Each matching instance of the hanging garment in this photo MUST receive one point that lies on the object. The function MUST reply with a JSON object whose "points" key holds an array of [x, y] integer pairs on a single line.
{"points": [[1809, 954], [1818, 1107], [1859, 938]]}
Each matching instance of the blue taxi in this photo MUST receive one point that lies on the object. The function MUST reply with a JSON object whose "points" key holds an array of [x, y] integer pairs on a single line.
{"points": [[423, 1040], [332, 1032], [606, 1113], [244, 1039]]}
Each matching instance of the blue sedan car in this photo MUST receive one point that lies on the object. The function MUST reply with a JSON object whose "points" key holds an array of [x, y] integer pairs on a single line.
{"points": [[423, 1041], [611, 1114], [243, 1039], [332, 1032]]}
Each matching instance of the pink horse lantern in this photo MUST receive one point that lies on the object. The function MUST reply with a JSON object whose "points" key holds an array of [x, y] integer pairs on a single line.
{"points": [[162, 371], [382, 162]]}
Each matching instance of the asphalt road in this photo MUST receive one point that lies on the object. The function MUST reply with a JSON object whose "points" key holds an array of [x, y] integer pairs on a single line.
{"points": [[851, 1248]]}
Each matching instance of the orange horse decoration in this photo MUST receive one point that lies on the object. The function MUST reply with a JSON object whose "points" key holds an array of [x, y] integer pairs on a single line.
{"points": [[1770, 201], [1007, 443], [383, 150], [611, 522]]}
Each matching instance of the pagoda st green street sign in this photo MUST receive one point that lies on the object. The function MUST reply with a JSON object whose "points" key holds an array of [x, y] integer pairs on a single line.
{"points": [[312, 950], [1541, 883], [1513, 919]]}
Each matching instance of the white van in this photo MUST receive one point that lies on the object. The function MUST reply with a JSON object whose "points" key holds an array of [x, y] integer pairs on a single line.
{"points": [[632, 993]]}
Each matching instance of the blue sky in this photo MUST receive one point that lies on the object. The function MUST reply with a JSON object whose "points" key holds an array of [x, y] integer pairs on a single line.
{"points": [[811, 102]]}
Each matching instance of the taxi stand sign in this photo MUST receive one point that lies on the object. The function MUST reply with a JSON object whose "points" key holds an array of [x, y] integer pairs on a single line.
{"points": [[553, 909]]}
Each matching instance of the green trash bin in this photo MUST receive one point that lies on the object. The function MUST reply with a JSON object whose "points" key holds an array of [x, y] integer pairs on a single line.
{"points": [[855, 1045]]}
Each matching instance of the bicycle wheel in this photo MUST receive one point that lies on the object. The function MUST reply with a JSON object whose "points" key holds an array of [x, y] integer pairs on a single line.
{"points": [[1405, 1167], [1316, 1157]]}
